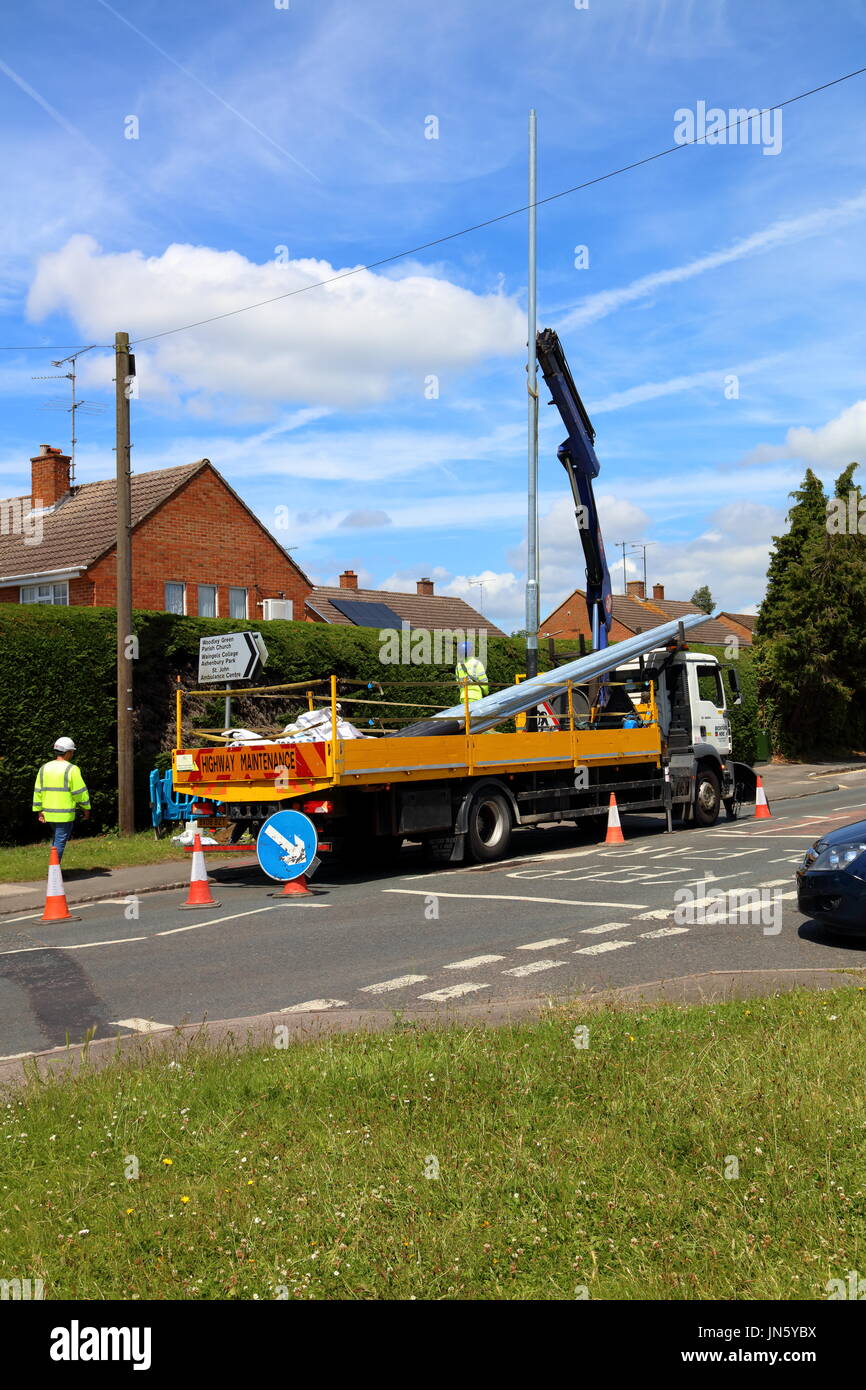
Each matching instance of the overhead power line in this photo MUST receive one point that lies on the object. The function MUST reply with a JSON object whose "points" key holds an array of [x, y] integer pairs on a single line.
{"points": [[464, 231]]}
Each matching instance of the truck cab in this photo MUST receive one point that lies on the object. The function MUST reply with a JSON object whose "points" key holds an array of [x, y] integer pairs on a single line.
{"points": [[693, 713]]}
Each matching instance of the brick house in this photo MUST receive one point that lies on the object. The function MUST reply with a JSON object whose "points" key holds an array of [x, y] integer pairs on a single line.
{"points": [[196, 546], [742, 624], [423, 609], [634, 612]]}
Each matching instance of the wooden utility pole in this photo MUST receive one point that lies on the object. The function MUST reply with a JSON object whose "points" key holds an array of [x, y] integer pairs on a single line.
{"points": [[124, 371]]}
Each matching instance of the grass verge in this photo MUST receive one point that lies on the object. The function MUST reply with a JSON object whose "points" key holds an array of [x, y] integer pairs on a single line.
{"points": [[310, 1171], [24, 863]]}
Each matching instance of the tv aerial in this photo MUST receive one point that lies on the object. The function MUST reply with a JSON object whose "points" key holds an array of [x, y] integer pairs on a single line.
{"points": [[77, 405]]}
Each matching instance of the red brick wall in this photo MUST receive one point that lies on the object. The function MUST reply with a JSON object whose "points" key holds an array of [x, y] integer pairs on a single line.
{"points": [[571, 618], [201, 535], [80, 591]]}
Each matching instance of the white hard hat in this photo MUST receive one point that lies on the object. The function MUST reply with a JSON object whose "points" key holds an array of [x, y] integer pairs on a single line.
{"points": [[64, 745]]}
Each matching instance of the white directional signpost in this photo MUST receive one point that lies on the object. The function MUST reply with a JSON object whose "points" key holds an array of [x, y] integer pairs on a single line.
{"points": [[230, 656]]}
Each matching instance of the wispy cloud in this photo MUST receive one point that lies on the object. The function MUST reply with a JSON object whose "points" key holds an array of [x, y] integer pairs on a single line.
{"points": [[654, 390], [598, 306], [209, 90]]}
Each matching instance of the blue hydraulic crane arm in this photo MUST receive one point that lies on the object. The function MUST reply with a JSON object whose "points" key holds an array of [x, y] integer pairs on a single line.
{"points": [[578, 457]]}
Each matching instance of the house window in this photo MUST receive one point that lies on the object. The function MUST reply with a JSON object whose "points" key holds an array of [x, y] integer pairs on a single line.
{"points": [[45, 593], [207, 601], [174, 598], [237, 603]]}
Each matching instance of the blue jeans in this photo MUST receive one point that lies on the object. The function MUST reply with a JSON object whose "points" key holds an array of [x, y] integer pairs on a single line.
{"points": [[62, 832]]}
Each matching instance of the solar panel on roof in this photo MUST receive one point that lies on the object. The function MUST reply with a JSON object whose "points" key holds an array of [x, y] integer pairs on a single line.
{"points": [[367, 613]]}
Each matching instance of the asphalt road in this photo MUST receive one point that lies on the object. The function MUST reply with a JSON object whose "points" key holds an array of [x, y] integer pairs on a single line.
{"points": [[562, 916]]}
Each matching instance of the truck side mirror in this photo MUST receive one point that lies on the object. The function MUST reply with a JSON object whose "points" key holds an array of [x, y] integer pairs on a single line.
{"points": [[734, 683]]}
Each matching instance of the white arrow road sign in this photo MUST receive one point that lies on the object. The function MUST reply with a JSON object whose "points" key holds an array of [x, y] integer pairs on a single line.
{"points": [[230, 656]]}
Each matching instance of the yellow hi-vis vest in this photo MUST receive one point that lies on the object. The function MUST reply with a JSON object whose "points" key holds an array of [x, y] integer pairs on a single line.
{"points": [[59, 791], [472, 670]]}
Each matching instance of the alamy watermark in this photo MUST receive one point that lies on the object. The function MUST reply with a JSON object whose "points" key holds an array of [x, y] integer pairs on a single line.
{"points": [[419, 646], [710, 906], [846, 516], [854, 1288], [22, 1289], [738, 126], [18, 518]]}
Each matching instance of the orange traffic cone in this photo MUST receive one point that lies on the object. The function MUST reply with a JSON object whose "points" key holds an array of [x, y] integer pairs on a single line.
{"points": [[295, 888], [614, 834], [199, 888], [56, 909], [762, 808]]}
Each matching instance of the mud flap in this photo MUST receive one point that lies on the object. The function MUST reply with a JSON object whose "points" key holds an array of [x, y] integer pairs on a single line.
{"points": [[745, 784]]}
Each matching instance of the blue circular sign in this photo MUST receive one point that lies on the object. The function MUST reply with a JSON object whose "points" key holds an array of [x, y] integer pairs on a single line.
{"points": [[286, 845]]}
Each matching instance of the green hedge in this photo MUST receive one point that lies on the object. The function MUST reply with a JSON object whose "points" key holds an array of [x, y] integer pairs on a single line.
{"points": [[57, 676]]}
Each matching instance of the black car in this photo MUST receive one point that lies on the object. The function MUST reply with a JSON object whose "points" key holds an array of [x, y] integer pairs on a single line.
{"points": [[831, 881]]}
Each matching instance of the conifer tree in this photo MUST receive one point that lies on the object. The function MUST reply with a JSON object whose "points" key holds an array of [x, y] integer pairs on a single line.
{"points": [[810, 637]]}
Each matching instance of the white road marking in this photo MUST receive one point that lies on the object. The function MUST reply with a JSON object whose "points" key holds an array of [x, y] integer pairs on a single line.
{"points": [[538, 873], [600, 947], [657, 914], [7, 922], [140, 1025], [125, 940], [784, 836], [472, 963], [314, 1006], [452, 992], [662, 931], [543, 945], [534, 967], [509, 898], [400, 982], [214, 921], [77, 946], [606, 926]]}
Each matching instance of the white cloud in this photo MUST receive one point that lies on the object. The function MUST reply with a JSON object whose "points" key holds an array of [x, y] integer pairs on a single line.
{"points": [[841, 441], [731, 556], [349, 343]]}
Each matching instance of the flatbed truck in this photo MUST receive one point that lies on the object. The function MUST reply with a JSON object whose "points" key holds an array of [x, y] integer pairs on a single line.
{"points": [[662, 743]]}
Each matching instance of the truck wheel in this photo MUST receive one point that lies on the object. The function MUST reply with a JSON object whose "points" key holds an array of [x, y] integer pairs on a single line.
{"points": [[708, 797], [489, 826]]}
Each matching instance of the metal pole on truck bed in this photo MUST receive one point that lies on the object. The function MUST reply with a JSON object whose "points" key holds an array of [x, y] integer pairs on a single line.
{"points": [[532, 615]]}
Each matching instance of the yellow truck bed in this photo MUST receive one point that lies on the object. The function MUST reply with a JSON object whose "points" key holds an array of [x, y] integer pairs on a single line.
{"points": [[268, 772]]}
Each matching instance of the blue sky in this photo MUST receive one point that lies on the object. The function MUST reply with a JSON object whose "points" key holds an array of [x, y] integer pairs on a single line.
{"points": [[277, 147]]}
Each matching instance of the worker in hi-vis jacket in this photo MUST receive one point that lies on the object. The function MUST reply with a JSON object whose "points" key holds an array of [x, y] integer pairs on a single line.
{"points": [[470, 669], [59, 792]]}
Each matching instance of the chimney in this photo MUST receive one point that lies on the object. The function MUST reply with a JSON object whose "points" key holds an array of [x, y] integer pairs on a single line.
{"points": [[424, 586], [658, 590], [348, 580], [49, 476], [634, 588]]}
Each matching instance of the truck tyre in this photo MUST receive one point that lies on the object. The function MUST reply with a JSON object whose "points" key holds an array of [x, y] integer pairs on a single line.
{"points": [[708, 795], [489, 825]]}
